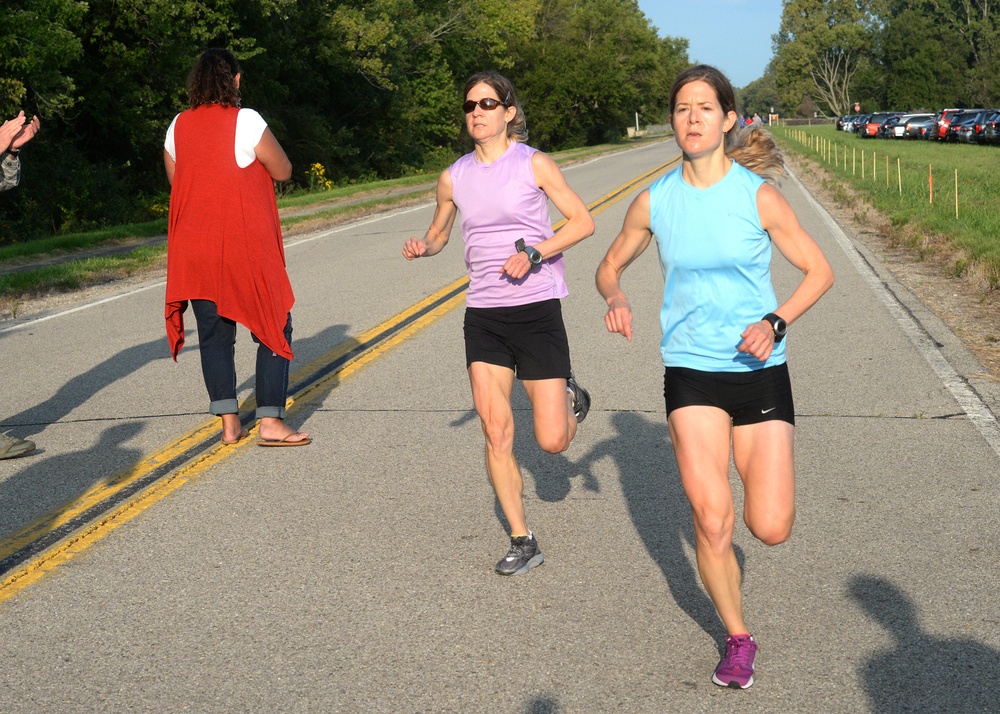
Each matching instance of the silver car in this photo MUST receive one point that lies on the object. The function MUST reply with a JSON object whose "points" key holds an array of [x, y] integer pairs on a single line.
{"points": [[901, 128]]}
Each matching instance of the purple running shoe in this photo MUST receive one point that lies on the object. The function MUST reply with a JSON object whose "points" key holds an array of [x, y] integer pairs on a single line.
{"points": [[736, 668]]}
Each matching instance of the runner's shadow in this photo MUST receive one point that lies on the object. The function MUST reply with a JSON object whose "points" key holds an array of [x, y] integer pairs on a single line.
{"points": [[552, 474], [659, 509], [334, 336], [77, 390], [922, 673], [49, 485]]}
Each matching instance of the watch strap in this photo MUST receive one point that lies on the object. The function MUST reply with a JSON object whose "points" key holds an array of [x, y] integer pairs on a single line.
{"points": [[778, 326]]}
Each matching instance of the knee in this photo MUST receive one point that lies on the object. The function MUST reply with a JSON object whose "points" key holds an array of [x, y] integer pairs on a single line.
{"points": [[715, 528], [552, 443], [774, 531], [499, 435]]}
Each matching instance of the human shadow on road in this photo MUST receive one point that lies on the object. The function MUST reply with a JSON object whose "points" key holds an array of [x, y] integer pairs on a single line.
{"points": [[50, 485], [77, 390], [659, 509], [552, 474], [921, 672], [46, 486], [322, 343]]}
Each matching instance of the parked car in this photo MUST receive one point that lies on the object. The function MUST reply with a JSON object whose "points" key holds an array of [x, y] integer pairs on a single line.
{"points": [[887, 129], [991, 129], [977, 126], [943, 120], [918, 126], [871, 125], [960, 124], [900, 127], [855, 123], [848, 122]]}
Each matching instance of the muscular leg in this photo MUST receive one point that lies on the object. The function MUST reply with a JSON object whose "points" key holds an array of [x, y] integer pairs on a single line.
{"points": [[491, 390], [552, 407], [701, 439], [763, 454]]}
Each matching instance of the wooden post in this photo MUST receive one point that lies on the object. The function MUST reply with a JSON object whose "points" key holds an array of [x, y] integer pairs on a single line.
{"points": [[887, 171], [930, 181], [899, 176], [874, 167], [956, 194]]}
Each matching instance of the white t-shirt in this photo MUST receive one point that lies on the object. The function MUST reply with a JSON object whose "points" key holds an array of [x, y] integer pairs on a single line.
{"points": [[250, 127]]}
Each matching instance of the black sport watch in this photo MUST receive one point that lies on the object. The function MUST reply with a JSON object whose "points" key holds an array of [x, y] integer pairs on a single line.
{"points": [[779, 326], [534, 257]]}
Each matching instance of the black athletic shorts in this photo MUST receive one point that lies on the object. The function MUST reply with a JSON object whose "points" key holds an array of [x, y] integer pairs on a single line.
{"points": [[529, 339], [748, 397]]}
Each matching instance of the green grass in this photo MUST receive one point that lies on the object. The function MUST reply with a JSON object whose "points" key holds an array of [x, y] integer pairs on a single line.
{"points": [[82, 241], [903, 193]]}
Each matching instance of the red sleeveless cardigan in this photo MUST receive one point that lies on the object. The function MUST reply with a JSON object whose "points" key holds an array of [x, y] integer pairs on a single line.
{"points": [[224, 240]]}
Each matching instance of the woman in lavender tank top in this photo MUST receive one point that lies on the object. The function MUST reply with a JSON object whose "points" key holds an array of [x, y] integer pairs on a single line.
{"points": [[513, 320]]}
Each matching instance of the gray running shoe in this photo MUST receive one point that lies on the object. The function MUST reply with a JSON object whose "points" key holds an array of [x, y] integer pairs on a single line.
{"points": [[581, 399], [12, 447], [523, 555]]}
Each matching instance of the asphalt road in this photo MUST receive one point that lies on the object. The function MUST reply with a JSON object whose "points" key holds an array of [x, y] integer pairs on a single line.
{"points": [[147, 569]]}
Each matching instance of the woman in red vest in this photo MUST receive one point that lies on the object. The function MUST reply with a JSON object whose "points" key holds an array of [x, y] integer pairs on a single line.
{"points": [[224, 247]]}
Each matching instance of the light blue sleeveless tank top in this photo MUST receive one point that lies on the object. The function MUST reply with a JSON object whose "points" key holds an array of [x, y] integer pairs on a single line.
{"points": [[716, 262], [500, 203]]}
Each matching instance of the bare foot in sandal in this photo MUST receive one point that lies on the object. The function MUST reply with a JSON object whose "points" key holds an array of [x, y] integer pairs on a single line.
{"points": [[233, 431], [274, 432]]}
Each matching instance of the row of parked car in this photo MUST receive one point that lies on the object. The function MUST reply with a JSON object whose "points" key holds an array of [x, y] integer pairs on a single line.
{"points": [[972, 126]]}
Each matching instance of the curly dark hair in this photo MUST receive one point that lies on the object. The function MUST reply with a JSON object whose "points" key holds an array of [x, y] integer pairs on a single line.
{"points": [[212, 80]]}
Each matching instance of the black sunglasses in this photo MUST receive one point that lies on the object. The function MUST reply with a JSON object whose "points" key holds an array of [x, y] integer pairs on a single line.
{"points": [[487, 104]]}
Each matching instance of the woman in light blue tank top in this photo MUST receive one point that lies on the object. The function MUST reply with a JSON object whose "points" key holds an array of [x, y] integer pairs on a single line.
{"points": [[513, 320], [725, 379]]}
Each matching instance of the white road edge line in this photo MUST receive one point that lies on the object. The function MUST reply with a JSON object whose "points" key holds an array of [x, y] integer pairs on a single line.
{"points": [[970, 402], [161, 283]]}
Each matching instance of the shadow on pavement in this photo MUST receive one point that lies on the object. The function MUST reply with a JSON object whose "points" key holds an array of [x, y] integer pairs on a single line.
{"points": [[921, 672], [659, 509], [53, 483], [77, 390]]}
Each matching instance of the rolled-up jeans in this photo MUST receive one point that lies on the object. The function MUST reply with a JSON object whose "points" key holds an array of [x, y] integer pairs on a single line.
{"points": [[217, 343]]}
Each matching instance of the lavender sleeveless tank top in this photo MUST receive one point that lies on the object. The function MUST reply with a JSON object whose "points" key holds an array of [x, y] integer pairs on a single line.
{"points": [[500, 203]]}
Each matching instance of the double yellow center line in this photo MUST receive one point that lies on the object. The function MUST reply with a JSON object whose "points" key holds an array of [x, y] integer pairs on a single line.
{"points": [[58, 536]]}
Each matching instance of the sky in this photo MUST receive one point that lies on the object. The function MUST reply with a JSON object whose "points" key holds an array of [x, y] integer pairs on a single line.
{"points": [[732, 35]]}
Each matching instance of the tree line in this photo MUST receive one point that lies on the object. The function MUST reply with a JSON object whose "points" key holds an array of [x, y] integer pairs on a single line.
{"points": [[883, 54], [367, 88]]}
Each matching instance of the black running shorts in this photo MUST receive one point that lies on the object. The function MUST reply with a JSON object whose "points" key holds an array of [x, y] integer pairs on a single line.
{"points": [[529, 339], [748, 397]]}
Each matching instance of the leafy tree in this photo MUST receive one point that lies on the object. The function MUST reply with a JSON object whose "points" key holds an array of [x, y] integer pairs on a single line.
{"points": [[594, 64], [36, 48], [365, 87], [928, 74], [819, 47], [761, 95]]}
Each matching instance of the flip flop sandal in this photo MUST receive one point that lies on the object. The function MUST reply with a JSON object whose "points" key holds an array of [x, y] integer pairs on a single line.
{"points": [[285, 441]]}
